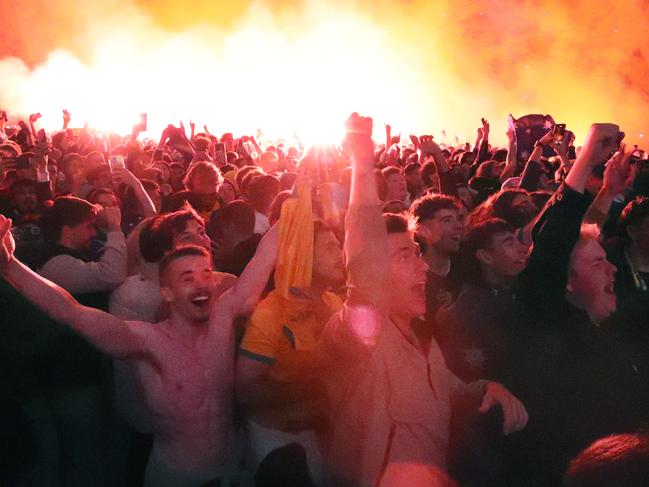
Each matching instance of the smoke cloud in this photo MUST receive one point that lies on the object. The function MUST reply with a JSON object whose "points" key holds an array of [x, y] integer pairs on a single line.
{"points": [[302, 66]]}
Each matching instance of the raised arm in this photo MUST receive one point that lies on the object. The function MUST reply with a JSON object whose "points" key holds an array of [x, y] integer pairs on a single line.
{"points": [[365, 234], [351, 335], [108, 333], [428, 146], [123, 175], [33, 118], [618, 175], [107, 273], [544, 280], [241, 298], [510, 165], [483, 148]]}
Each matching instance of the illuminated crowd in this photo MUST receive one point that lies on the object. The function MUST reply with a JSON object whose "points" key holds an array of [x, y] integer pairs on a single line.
{"points": [[213, 309]]}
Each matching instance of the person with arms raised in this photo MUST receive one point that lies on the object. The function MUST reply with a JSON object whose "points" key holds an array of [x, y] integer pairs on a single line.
{"points": [[389, 394], [185, 365]]}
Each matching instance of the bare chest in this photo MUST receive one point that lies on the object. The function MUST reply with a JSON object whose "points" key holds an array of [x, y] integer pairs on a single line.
{"points": [[190, 380]]}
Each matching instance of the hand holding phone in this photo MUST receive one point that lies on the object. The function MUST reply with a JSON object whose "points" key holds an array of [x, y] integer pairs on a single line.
{"points": [[558, 133]]}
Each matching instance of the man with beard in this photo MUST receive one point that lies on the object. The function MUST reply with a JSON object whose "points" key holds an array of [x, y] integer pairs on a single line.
{"points": [[25, 208], [185, 365]]}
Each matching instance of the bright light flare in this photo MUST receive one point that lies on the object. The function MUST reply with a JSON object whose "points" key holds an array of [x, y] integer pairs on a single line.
{"points": [[286, 85]]}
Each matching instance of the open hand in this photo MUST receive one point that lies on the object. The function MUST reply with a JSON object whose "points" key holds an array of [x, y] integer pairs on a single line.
{"points": [[485, 127], [428, 145], [514, 413], [619, 173]]}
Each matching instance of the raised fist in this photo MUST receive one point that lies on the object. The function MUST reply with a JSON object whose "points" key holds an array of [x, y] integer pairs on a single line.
{"points": [[601, 141], [358, 139]]}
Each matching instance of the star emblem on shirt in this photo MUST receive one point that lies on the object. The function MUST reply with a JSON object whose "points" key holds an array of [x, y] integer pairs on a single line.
{"points": [[474, 356]]}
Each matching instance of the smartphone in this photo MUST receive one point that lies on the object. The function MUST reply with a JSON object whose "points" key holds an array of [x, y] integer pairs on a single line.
{"points": [[559, 132], [116, 161], [219, 153], [143, 121]]}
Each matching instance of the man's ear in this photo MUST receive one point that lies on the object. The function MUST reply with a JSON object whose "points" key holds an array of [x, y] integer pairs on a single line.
{"points": [[483, 257], [569, 287], [166, 293]]}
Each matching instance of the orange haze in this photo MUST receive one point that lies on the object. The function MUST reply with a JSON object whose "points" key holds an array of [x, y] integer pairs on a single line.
{"points": [[300, 67]]}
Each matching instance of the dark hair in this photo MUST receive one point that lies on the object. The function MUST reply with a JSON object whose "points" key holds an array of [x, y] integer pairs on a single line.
{"points": [[632, 214], [68, 159], [411, 167], [395, 223], [486, 169], [499, 205], [467, 157], [427, 171], [427, 206], [177, 201], [540, 198], [276, 206], [480, 236], [287, 180], [200, 165], [242, 172], [179, 253], [262, 191], [226, 168], [152, 246], [236, 214], [618, 460], [66, 211], [173, 224], [500, 155]]}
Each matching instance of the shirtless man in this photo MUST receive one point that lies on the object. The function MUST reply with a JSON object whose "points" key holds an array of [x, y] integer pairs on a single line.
{"points": [[184, 365]]}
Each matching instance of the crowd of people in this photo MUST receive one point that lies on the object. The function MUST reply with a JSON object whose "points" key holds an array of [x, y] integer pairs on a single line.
{"points": [[217, 310]]}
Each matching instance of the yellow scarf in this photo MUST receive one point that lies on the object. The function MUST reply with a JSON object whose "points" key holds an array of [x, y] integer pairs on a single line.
{"points": [[295, 258]]}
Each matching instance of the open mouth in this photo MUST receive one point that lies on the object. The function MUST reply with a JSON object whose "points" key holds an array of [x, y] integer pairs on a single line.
{"points": [[201, 301], [610, 288]]}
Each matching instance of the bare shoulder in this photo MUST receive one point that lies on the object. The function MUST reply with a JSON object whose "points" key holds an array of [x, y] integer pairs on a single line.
{"points": [[152, 333], [223, 281]]}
